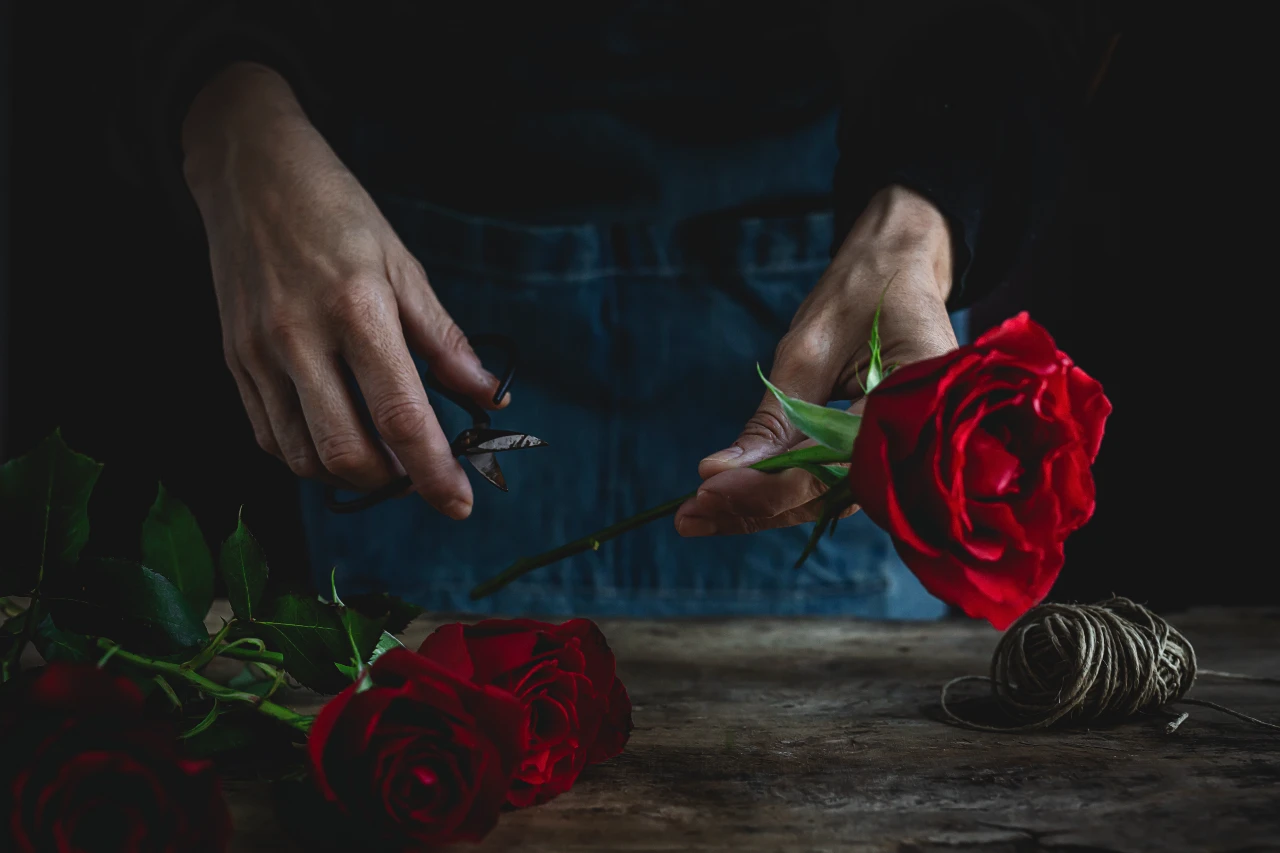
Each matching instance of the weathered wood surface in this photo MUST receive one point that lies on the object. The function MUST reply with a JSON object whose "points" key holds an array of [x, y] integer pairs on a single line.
{"points": [[812, 735]]}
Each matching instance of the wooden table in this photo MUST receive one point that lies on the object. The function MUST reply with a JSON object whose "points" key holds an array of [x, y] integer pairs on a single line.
{"points": [[824, 735]]}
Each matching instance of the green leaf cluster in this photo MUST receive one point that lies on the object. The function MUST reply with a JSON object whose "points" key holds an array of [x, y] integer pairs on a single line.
{"points": [[149, 616]]}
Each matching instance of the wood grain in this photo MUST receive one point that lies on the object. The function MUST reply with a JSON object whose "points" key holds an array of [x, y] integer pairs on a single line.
{"points": [[825, 735]]}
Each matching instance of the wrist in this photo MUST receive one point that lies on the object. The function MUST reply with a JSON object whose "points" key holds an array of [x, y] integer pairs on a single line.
{"points": [[901, 224], [246, 105]]}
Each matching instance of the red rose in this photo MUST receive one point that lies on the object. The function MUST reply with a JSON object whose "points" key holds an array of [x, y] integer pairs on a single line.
{"points": [[578, 712], [977, 463], [85, 770], [419, 756]]}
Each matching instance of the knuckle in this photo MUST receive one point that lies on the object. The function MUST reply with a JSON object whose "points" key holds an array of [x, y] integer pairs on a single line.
{"points": [[769, 426], [282, 330], [416, 270], [804, 345], [401, 420], [358, 299], [344, 454], [303, 463], [450, 338]]}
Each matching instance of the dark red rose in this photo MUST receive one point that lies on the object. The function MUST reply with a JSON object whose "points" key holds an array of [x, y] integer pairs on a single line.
{"points": [[419, 756], [578, 712], [85, 770], [977, 463]]}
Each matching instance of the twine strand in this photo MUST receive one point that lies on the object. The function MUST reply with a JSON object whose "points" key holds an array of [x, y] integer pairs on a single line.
{"points": [[1081, 663]]}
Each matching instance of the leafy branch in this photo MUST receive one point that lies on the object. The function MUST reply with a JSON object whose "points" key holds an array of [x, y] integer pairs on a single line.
{"points": [[147, 618]]}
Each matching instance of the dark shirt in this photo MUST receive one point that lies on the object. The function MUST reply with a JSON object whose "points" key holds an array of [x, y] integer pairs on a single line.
{"points": [[662, 111]]}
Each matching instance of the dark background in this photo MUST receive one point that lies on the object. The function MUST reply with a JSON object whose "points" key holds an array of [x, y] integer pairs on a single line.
{"points": [[1157, 279]]}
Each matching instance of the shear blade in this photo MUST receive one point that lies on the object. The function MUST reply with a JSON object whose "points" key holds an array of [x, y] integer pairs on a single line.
{"points": [[487, 465], [499, 440]]}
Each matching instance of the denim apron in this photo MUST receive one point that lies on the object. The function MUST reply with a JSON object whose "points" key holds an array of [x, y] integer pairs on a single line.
{"points": [[639, 345]]}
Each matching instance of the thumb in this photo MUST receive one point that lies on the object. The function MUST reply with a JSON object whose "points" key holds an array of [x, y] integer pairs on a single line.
{"points": [[432, 333], [797, 373]]}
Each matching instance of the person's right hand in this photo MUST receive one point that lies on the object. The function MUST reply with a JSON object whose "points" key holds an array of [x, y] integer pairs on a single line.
{"points": [[311, 280]]}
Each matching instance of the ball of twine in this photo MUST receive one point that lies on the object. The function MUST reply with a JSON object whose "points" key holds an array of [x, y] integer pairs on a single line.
{"points": [[1084, 663]]}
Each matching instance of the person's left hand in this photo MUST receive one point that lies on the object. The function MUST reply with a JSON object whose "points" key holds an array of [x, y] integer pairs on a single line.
{"points": [[900, 237]]}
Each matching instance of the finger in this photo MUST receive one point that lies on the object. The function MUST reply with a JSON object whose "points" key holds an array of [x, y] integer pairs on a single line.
{"points": [[288, 425], [375, 348], [810, 512], [256, 411], [709, 514], [343, 445], [747, 498], [433, 334], [803, 367]]}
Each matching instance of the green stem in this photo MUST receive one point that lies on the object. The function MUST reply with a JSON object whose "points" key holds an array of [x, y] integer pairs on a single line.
{"points": [[797, 458], [300, 722], [587, 543], [210, 651], [254, 655]]}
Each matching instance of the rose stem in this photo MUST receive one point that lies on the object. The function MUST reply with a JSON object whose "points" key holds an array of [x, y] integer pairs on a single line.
{"points": [[252, 655], [525, 565], [301, 722]]}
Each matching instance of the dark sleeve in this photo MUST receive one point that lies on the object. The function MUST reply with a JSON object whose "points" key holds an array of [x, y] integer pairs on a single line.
{"points": [[974, 106], [179, 47]]}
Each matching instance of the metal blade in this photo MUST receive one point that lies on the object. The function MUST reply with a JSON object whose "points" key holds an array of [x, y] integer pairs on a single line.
{"points": [[499, 440], [487, 465]]}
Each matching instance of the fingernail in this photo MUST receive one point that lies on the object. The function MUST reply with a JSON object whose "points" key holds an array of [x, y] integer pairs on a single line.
{"points": [[692, 525], [713, 503], [457, 509], [726, 455]]}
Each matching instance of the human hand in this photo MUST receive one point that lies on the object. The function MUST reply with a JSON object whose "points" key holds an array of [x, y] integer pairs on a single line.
{"points": [[311, 280], [899, 238]]}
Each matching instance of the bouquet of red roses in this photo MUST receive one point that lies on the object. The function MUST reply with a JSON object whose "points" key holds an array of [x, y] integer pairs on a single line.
{"points": [[112, 744]]}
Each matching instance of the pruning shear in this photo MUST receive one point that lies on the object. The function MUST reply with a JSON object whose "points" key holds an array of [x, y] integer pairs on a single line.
{"points": [[477, 444]]}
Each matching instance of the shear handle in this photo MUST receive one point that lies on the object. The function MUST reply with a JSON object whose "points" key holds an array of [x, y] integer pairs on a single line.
{"points": [[479, 420]]}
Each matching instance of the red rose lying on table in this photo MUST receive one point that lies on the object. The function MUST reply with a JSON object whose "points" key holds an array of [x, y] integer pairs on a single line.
{"points": [[83, 769], [434, 744], [577, 711]]}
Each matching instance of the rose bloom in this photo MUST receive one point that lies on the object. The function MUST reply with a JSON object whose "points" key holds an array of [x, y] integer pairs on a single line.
{"points": [[418, 756], [977, 463], [577, 710], [85, 770]]}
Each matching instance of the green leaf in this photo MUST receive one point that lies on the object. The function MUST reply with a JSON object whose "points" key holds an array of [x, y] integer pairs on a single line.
{"points": [[244, 570], [128, 603], [363, 632], [44, 512], [312, 637], [832, 427], [55, 644], [386, 643], [876, 371], [172, 545], [816, 455], [828, 475], [399, 612]]}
